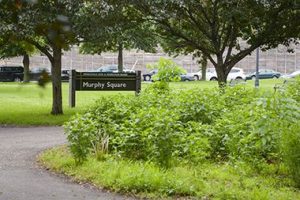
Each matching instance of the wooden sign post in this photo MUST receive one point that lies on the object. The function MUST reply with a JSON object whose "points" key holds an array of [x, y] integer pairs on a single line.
{"points": [[99, 81]]}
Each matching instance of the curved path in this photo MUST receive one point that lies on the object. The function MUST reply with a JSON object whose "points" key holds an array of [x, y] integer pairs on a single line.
{"points": [[22, 179]]}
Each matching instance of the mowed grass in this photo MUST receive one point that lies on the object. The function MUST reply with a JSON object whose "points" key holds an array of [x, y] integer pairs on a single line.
{"points": [[29, 104]]}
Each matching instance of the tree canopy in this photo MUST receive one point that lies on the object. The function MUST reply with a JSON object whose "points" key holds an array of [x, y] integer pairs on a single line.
{"points": [[113, 27], [215, 28]]}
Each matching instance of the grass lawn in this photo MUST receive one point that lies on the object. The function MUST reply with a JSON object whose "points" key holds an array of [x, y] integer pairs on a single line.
{"points": [[205, 181], [28, 104]]}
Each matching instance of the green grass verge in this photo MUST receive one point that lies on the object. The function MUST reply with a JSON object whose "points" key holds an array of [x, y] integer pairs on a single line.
{"points": [[28, 104], [206, 181]]}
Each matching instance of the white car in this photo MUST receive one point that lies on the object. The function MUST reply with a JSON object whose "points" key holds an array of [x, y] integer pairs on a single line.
{"points": [[113, 68], [292, 75], [211, 75]]}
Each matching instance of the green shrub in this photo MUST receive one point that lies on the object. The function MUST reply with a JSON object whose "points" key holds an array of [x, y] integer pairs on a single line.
{"points": [[291, 151], [293, 89], [191, 126], [152, 126], [168, 70], [199, 105], [158, 87], [81, 131], [246, 133]]}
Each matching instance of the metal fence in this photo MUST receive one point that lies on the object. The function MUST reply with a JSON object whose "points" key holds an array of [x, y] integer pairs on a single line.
{"points": [[278, 59]]}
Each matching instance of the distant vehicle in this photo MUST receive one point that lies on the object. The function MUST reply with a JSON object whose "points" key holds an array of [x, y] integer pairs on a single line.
{"points": [[11, 73], [148, 76], [187, 77], [211, 75], [292, 75], [38, 72], [183, 77], [264, 74], [65, 75], [113, 69]]}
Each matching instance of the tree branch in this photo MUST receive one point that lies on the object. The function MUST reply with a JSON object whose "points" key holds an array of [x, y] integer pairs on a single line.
{"points": [[43, 49]]}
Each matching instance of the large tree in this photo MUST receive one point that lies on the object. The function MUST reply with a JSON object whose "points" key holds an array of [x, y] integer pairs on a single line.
{"points": [[114, 27], [215, 28], [46, 24]]}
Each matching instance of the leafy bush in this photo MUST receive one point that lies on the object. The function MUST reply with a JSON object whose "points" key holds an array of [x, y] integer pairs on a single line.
{"points": [[291, 151], [168, 70], [191, 126], [149, 127], [293, 89], [246, 133], [158, 87]]}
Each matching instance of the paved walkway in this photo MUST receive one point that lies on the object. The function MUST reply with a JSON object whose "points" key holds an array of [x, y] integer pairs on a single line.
{"points": [[21, 179]]}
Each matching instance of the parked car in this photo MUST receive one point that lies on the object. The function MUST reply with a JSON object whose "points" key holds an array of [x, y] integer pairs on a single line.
{"points": [[211, 75], [113, 69], [187, 77], [38, 72], [292, 75], [65, 75], [264, 74], [183, 77], [11, 73], [148, 76]]}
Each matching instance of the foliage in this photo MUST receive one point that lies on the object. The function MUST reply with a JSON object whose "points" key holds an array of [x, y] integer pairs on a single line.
{"points": [[13, 49], [214, 29], [291, 151], [167, 70], [192, 126], [147, 128], [293, 88], [158, 87], [290, 126], [114, 27]]}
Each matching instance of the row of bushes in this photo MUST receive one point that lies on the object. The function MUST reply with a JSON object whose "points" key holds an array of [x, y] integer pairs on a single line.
{"points": [[193, 126]]}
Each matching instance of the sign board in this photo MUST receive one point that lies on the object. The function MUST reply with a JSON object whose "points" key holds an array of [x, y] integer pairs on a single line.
{"points": [[99, 81]]}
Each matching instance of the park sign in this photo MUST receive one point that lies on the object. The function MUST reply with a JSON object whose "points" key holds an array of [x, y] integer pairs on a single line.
{"points": [[102, 81]]}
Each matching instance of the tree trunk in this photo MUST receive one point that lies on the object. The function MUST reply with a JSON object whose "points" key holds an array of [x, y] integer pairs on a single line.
{"points": [[222, 75], [120, 57], [203, 68], [56, 82], [221, 71], [26, 63]]}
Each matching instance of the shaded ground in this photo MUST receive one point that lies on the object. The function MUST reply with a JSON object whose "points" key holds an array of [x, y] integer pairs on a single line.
{"points": [[22, 179]]}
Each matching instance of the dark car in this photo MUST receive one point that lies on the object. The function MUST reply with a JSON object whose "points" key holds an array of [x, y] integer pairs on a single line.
{"points": [[11, 73], [264, 74], [65, 75], [148, 76]]}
